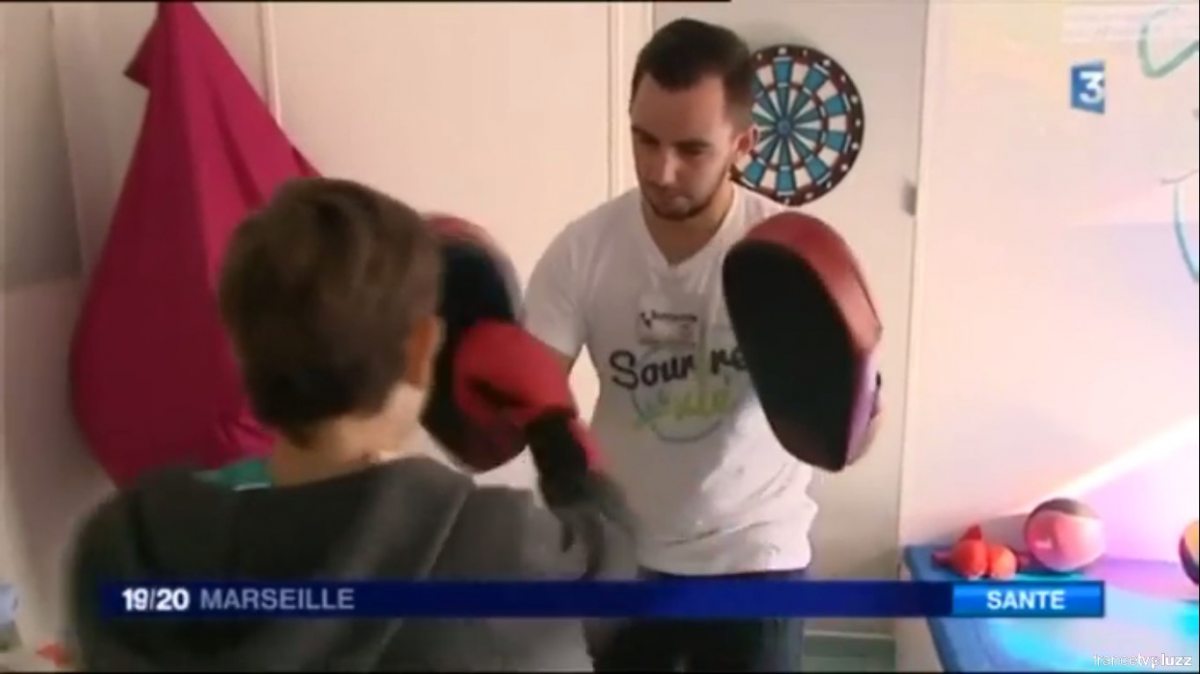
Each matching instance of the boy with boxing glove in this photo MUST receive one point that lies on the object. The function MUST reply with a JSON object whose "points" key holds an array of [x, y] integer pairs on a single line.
{"points": [[331, 299]]}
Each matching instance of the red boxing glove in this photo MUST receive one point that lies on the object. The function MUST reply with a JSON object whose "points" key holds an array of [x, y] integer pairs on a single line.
{"points": [[505, 376], [478, 284]]}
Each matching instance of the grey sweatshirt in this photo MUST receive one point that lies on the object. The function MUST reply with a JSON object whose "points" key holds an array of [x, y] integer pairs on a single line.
{"points": [[411, 519]]}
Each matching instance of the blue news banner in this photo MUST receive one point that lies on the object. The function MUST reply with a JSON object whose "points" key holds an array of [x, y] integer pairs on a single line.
{"points": [[651, 599]]}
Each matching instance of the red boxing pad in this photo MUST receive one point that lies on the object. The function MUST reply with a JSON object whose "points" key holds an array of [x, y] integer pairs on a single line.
{"points": [[479, 283], [808, 332]]}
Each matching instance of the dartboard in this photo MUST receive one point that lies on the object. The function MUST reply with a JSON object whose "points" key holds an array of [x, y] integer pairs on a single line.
{"points": [[810, 125]]}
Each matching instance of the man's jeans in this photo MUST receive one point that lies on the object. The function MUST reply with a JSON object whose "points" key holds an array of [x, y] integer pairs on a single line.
{"points": [[759, 645]]}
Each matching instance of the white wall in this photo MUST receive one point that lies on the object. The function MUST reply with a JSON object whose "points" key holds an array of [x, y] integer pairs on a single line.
{"points": [[46, 478], [1055, 326], [7, 553]]}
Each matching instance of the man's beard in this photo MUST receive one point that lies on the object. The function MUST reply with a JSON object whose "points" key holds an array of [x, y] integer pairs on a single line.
{"points": [[696, 209]]}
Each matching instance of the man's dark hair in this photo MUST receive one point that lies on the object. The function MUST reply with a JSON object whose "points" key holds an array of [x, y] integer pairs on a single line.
{"points": [[319, 291], [684, 51]]}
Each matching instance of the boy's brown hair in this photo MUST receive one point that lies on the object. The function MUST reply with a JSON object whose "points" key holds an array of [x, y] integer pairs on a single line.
{"points": [[320, 291]]}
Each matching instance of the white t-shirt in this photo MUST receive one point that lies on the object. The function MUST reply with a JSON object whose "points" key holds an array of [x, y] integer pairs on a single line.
{"points": [[676, 417]]}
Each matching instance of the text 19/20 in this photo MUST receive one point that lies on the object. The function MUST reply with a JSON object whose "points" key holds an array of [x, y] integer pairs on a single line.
{"points": [[156, 599]]}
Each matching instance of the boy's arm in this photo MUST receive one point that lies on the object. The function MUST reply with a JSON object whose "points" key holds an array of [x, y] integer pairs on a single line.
{"points": [[582, 532], [589, 527], [507, 373], [99, 553]]}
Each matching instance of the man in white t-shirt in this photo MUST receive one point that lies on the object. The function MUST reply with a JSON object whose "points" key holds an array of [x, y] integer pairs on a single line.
{"points": [[638, 282]]}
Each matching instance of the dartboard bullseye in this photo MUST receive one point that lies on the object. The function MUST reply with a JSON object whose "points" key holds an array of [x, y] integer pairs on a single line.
{"points": [[810, 125]]}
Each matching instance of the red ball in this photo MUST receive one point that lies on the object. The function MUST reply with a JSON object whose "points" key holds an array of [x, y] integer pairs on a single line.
{"points": [[1064, 535], [970, 558], [1002, 563]]}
